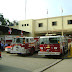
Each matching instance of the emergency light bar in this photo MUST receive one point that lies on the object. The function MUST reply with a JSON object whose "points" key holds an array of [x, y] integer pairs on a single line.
{"points": [[50, 34]]}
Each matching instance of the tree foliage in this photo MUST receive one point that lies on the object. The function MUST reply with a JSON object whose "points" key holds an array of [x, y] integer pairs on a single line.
{"points": [[5, 21], [2, 20]]}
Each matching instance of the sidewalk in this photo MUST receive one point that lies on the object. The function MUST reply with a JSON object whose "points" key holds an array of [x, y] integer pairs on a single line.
{"points": [[63, 66], [60, 65]]}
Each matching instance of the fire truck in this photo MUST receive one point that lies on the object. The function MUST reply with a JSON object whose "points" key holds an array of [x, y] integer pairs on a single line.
{"points": [[24, 45], [53, 45]]}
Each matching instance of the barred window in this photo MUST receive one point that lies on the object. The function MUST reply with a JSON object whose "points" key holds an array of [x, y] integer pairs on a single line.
{"points": [[54, 23], [40, 25], [27, 24], [69, 21]]}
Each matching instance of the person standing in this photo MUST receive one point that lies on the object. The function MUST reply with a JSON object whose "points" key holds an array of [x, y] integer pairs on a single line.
{"points": [[6, 44], [2, 46]]}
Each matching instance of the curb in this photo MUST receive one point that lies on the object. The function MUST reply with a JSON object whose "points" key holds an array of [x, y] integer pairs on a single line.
{"points": [[47, 67]]}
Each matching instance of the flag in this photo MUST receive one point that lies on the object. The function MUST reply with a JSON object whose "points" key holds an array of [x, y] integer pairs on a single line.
{"points": [[62, 10], [10, 30], [47, 11], [21, 33]]}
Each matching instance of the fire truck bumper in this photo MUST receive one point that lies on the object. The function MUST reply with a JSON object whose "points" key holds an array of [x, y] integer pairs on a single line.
{"points": [[48, 53], [14, 51], [17, 52]]}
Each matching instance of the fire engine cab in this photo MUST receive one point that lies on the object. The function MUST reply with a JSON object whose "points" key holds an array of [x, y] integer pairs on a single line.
{"points": [[24, 45], [53, 45]]}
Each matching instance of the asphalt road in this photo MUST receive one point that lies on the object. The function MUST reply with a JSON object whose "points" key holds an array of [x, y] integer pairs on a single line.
{"points": [[16, 63]]}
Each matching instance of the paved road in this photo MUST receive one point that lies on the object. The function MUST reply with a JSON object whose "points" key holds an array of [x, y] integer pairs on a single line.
{"points": [[16, 63]]}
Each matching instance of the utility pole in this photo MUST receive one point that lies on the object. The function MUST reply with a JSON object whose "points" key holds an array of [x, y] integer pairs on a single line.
{"points": [[62, 21], [25, 8], [47, 22]]}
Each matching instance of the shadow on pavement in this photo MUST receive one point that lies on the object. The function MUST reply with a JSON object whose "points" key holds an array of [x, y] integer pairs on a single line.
{"points": [[4, 68], [35, 55]]}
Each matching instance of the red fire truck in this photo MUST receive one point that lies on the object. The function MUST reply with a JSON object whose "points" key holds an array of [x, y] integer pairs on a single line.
{"points": [[53, 45], [24, 45]]}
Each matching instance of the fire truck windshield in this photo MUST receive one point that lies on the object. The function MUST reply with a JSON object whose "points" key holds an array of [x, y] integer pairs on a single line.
{"points": [[53, 40], [44, 41], [18, 40], [49, 40]]}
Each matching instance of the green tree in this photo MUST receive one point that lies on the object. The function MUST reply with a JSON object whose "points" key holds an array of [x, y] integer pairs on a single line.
{"points": [[15, 22], [2, 20]]}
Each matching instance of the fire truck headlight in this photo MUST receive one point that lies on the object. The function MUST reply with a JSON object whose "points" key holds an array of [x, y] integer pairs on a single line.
{"points": [[41, 47], [55, 47], [11, 48], [51, 47]]}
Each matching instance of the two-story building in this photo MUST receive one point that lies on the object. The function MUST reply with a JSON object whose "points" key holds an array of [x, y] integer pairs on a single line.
{"points": [[40, 27]]}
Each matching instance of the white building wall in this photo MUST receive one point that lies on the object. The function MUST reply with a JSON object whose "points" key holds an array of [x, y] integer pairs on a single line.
{"points": [[56, 27], [65, 22], [34, 25], [43, 28], [25, 28]]}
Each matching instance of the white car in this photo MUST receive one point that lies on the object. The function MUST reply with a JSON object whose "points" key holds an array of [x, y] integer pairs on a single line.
{"points": [[8, 48]]}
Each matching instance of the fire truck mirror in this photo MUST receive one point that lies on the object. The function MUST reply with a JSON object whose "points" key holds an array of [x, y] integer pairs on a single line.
{"points": [[58, 42], [24, 42]]}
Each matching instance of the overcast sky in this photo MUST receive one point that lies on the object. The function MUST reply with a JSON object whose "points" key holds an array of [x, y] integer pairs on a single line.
{"points": [[35, 9]]}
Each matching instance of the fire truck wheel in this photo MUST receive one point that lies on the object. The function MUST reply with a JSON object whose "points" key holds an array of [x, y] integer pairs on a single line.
{"points": [[18, 54], [32, 51]]}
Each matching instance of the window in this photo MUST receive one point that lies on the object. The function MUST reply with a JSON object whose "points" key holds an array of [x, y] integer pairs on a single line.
{"points": [[40, 24], [69, 21], [18, 40], [24, 24], [54, 23], [27, 40], [27, 24], [13, 41], [44, 41], [54, 40]]}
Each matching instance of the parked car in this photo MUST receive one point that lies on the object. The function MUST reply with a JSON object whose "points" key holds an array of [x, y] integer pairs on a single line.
{"points": [[8, 48]]}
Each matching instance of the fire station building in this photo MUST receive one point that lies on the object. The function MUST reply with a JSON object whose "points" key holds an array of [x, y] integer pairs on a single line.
{"points": [[38, 27]]}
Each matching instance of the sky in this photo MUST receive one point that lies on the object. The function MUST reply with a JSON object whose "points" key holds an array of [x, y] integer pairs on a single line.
{"points": [[35, 9]]}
